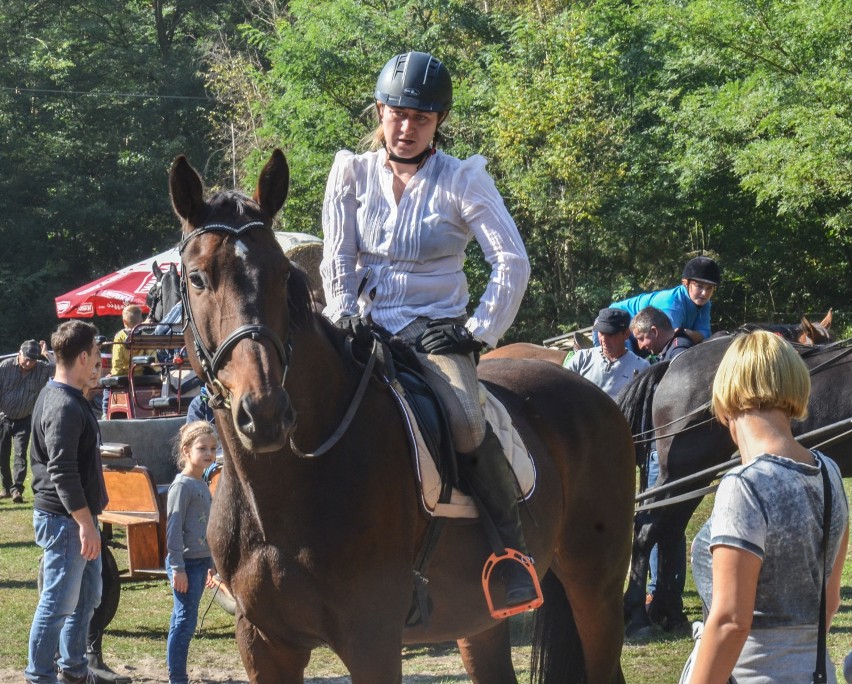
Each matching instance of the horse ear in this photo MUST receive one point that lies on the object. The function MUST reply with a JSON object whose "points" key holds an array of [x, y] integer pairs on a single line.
{"points": [[186, 190], [173, 269], [273, 183], [155, 269], [826, 322], [808, 329]]}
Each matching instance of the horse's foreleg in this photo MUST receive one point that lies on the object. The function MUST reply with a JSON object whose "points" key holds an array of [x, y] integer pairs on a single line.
{"points": [[374, 655], [667, 607], [487, 656], [644, 537], [267, 662]]}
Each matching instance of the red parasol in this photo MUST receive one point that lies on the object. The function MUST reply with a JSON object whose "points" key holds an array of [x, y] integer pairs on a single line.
{"points": [[108, 295]]}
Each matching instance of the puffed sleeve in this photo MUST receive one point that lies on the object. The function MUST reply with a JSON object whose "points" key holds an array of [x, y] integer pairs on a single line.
{"points": [[340, 238], [484, 211]]}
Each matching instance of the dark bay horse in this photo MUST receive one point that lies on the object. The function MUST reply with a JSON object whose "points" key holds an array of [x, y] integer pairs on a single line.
{"points": [[320, 548], [164, 292], [675, 396]]}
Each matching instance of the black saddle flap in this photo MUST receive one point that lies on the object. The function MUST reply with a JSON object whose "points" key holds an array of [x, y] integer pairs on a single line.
{"points": [[432, 421]]}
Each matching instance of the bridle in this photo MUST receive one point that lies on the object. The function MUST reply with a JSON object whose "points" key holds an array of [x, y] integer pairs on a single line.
{"points": [[210, 361]]}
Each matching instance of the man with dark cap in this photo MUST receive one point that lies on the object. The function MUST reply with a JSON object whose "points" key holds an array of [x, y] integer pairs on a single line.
{"points": [[611, 365], [21, 379]]}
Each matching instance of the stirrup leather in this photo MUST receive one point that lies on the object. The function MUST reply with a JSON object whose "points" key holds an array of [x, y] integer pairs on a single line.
{"points": [[512, 556]]}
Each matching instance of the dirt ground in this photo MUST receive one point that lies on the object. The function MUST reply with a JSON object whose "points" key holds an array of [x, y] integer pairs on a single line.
{"points": [[151, 671]]}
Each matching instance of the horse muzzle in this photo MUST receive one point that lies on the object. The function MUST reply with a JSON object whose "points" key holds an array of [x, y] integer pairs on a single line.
{"points": [[264, 419]]}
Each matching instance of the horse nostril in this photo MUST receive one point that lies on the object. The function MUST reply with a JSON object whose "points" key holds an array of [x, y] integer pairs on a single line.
{"points": [[244, 419]]}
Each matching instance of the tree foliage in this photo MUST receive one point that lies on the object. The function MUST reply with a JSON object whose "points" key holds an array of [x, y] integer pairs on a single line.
{"points": [[97, 98], [624, 137]]}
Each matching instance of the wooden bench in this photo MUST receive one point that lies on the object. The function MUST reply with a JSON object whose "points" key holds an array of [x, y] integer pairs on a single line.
{"points": [[135, 505]]}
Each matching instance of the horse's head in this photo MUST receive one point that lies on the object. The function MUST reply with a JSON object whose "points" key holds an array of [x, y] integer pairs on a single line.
{"points": [[816, 333], [154, 300], [164, 292], [169, 290], [234, 285]]}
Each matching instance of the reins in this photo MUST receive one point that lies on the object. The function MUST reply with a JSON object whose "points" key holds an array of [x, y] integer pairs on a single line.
{"points": [[641, 438], [716, 471], [211, 360], [360, 391]]}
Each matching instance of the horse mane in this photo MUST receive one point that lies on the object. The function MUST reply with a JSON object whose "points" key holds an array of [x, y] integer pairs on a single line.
{"points": [[300, 299], [792, 332], [636, 400], [231, 202]]}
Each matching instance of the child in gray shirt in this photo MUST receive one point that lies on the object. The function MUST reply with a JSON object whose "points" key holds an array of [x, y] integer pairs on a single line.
{"points": [[188, 557]]}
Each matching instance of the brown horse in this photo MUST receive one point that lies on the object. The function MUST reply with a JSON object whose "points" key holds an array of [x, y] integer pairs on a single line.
{"points": [[805, 332], [320, 548], [527, 350]]}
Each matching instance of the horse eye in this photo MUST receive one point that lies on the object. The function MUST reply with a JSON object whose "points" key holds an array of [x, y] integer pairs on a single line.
{"points": [[196, 280]]}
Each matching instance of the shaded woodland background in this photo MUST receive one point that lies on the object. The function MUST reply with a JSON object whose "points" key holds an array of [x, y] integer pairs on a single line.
{"points": [[625, 137]]}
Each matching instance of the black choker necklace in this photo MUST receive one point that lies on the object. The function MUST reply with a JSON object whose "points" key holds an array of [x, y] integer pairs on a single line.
{"points": [[411, 160]]}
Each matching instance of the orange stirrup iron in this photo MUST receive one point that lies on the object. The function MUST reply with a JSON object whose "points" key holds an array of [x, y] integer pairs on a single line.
{"points": [[511, 556]]}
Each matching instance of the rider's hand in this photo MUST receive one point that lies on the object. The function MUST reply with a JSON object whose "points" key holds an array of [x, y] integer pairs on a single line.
{"points": [[442, 337], [358, 327]]}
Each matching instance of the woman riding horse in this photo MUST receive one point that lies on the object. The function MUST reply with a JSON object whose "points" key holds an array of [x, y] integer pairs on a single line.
{"points": [[397, 221], [323, 549]]}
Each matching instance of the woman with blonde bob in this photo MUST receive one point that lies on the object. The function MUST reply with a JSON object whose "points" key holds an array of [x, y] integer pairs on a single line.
{"points": [[758, 562]]}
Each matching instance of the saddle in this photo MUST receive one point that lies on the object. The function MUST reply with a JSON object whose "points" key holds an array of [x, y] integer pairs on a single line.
{"points": [[437, 472], [441, 493]]}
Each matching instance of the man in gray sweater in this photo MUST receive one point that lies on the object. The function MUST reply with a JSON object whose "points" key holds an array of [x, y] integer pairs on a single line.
{"points": [[69, 493]]}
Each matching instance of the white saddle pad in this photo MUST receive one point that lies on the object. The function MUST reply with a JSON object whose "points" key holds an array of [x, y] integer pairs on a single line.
{"points": [[461, 505]]}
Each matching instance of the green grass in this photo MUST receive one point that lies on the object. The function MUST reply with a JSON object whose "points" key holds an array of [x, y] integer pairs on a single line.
{"points": [[137, 635]]}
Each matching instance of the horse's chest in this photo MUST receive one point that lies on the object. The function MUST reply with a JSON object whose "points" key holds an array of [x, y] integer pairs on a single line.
{"points": [[267, 584]]}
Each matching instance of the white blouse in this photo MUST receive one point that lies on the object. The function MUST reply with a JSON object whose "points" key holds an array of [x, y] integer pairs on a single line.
{"points": [[409, 257]]}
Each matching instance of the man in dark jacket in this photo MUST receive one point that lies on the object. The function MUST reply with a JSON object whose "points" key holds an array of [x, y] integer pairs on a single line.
{"points": [[654, 334], [69, 493]]}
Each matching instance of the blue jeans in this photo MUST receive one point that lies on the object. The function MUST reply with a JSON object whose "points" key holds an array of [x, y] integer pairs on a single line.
{"points": [[184, 616], [71, 590], [680, 550]]}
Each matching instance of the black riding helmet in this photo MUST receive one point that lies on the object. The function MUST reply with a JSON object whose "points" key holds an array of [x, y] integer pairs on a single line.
{"points": [[415, 80], [704, 269]]}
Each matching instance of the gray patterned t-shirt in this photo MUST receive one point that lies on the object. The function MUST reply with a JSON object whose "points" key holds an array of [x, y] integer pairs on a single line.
{"points": [[773, 507]]}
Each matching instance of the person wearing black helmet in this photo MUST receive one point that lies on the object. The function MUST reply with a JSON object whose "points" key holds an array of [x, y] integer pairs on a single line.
{"points": [[688, 304], [397, 220]]}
